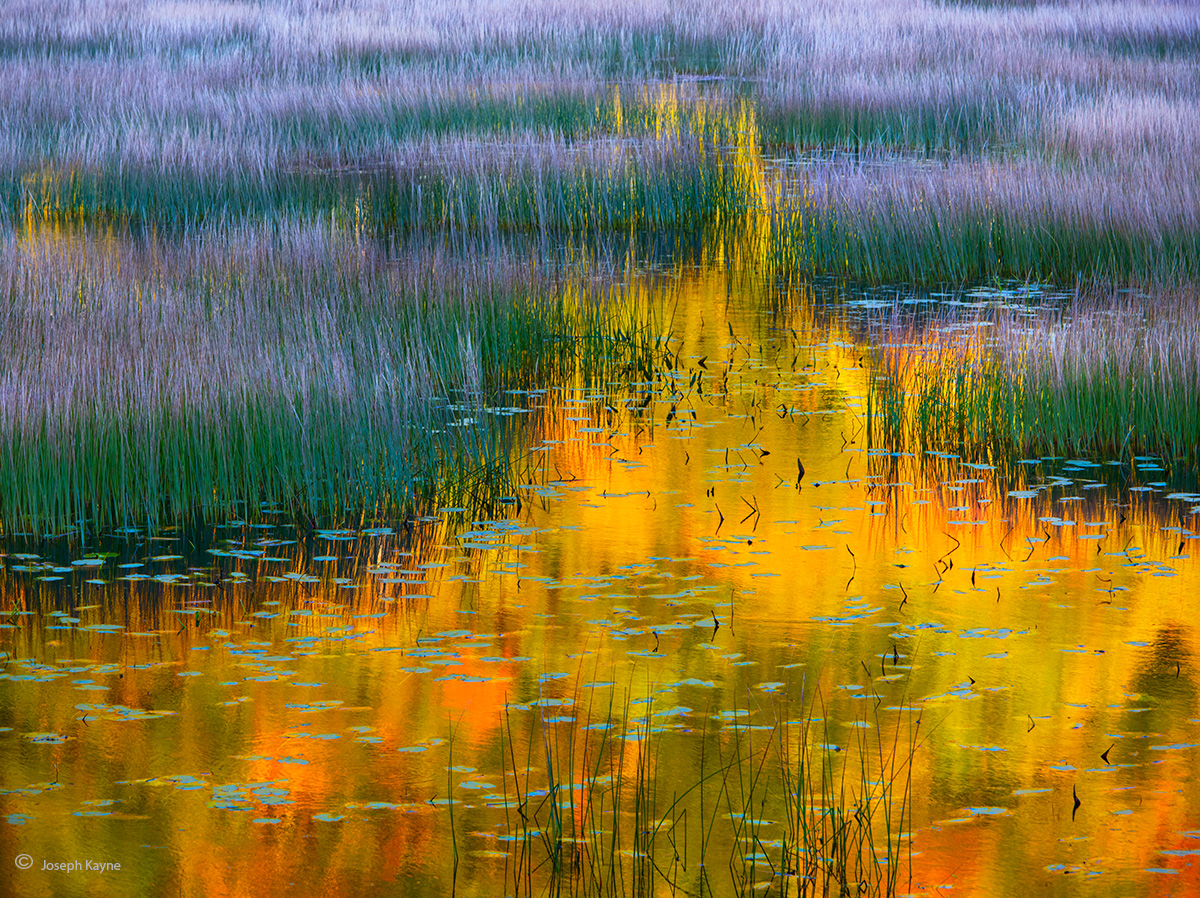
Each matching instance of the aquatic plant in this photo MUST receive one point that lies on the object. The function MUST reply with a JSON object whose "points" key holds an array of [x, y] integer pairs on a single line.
{"points": [[1108, 377], [962, 221], [155, 381], [586, 814], [895, 140]]}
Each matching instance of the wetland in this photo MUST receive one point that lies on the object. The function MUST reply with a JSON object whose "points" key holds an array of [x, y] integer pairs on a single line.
{"points": [[622, 676], [599, 451]]}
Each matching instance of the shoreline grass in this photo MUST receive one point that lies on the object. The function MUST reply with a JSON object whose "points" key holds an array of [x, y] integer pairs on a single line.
{"points": [[296, 368], [1109, 377]]}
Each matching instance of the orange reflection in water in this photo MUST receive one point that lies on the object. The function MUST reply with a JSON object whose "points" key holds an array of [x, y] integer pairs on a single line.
{"points": [[664, 587]]}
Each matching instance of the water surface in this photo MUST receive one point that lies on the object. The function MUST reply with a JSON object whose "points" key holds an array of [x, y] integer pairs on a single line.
{"points": [[251, 710]]}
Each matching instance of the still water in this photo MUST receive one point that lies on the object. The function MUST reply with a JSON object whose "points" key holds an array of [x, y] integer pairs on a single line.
{"points": [[712, 596]]}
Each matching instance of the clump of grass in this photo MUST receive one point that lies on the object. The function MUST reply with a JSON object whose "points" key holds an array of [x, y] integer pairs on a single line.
{"points": [[883, 220], [1107, 377], [149, 382], [599, 808], [654, 162]]}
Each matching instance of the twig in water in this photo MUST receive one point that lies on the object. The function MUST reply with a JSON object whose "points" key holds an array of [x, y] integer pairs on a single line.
{"points": [[1003, 538], [957, 545]]}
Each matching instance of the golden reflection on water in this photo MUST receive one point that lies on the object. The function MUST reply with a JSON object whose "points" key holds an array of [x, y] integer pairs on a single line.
{"points": [[317, 702]]}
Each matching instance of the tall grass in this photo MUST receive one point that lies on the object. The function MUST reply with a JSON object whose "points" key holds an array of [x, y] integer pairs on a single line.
{"points": [[958, 221], [921, 141], [296, 368], [538, 184], [605, 809], [1109, 377]]}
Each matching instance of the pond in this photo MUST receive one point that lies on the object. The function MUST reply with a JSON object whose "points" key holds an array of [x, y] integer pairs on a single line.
{"points": [[717, 643]]}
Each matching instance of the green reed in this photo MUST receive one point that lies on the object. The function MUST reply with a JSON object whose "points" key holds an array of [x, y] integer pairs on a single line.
{"points": [[297, 369], [1066, 153], [653, 158], [1107, 378], [590, 811], [902, 233]]}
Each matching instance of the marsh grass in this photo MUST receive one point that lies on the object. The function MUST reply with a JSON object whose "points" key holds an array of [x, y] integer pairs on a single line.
{"points": [[540, 186], [954, 222], [297, 368], [890, 141], [902, 140], [602, 809], [644, 159], [1109, 377]]}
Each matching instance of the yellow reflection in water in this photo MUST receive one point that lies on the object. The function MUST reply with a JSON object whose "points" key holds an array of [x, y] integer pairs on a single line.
{"points": [[665, 587]]}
